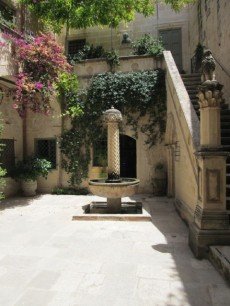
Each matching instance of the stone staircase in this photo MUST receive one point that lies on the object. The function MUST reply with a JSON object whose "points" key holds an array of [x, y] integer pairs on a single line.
{"points": [[191, 82], [218, 255]]}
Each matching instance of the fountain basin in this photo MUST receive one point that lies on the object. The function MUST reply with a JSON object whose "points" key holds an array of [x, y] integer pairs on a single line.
{"points": [[126, 188]]}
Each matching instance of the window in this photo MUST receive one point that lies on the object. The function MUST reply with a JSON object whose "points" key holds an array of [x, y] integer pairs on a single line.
{"points": [[75, 46], [46, 148], [100, 153], [7, 156]]}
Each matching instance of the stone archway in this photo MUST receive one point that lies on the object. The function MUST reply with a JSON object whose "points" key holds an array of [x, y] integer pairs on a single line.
{"points": [[128, 156], [170, 141]]}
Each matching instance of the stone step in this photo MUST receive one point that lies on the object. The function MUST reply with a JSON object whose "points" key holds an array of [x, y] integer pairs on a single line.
{"points": [[228, 206], [225, 124], [192, 90], [224, 106], [193, 96], [224, 109], [227, 190], [228, 167], [225, 140], [225, 117], [191, 76], [228, 178], [191, 85], [219, 256], [225, 132]]}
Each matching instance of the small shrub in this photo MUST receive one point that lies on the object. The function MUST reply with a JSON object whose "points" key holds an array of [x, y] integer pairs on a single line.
{"points": [[148, 45], [69, 191], [88, 52], [31, 168], [112, 59]]}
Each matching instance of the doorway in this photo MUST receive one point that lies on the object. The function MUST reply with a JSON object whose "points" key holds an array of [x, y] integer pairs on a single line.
{"points": [[172, 41], [127, 156]]}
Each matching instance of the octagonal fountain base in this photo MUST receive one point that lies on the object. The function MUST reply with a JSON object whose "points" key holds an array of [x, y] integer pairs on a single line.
{"points": [[114, 191], [97, 211], [114, 209], [124, 208]]}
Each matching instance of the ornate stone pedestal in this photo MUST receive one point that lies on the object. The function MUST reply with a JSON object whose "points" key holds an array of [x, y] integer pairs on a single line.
{"points": [[211, 224]]}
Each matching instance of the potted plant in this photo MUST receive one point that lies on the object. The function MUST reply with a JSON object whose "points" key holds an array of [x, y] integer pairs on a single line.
{"points": [[28, 171], [159, 180]]}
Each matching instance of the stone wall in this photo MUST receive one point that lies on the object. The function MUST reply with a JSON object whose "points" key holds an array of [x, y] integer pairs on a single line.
{"points": [[164, 18], [12, 129], [146, 158], [209, 25], [40, 126], [182, 141]]}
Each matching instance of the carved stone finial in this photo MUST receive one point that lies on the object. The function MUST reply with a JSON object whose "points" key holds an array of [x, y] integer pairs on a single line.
{"points": [[210, 94], [210, 98], [112, 115], [208, 66]]}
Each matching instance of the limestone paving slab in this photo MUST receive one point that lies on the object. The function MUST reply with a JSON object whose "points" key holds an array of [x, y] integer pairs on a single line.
{"points": [[46, 259]]}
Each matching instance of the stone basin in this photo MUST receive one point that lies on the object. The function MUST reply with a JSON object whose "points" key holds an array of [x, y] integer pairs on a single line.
{"points": [[126, 188]]}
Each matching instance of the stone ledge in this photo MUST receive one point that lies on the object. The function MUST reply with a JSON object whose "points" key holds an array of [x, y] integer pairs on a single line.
{"points": [[220, 258], [82, 216]]}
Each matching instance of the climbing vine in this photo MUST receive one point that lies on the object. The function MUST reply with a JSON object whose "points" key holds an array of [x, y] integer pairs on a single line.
{"points": [[135, 94]]}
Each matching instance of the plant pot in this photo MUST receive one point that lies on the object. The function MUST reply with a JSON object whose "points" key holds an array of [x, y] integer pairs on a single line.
{"points": [[29, 188]]}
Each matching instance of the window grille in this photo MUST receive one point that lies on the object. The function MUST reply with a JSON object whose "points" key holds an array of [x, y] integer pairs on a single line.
{"points": [[75, 45], [7, 155], [46, 148]]}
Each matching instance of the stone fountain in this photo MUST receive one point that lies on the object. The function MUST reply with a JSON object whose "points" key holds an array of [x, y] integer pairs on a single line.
{"points": [[114, 187]]}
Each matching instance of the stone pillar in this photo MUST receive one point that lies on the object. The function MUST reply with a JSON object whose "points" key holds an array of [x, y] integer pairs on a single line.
{"points": [[211, 224], [210, 97], [112, 117]]}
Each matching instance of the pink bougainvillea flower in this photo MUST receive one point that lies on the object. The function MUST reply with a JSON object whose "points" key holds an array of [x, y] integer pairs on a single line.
{"points": [[41, 60], [15, 106], [38, 85]]}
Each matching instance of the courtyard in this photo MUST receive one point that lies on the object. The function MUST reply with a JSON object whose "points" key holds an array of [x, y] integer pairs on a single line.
{"points": [[48, 259]]}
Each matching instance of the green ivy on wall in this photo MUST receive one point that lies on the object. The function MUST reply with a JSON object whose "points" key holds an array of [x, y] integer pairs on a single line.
{"points": [[135, 94]]}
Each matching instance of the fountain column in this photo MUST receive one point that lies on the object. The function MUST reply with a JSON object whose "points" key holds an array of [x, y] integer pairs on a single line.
{"points": [[112, 117], [114, 188]]}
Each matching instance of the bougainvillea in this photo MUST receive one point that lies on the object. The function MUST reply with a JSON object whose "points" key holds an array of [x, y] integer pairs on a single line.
{"points": [[41, 60]]}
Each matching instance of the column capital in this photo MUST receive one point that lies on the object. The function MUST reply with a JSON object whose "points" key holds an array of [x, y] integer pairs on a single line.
{"points": [[112, 115], [210, 94]]}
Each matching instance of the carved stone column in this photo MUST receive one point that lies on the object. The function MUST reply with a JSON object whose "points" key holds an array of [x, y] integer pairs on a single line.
{"points": [[211, 224], [112, 117], [210, 97]]}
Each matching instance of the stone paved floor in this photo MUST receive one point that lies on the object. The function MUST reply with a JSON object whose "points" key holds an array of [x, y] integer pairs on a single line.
{"points": [[48, 259]]}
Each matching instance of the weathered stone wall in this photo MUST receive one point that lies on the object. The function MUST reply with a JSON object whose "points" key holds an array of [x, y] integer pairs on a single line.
{"points": [[182, 141], [164, 18], [146, 158], [12, 129], [40, 126], [209, 25]]}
